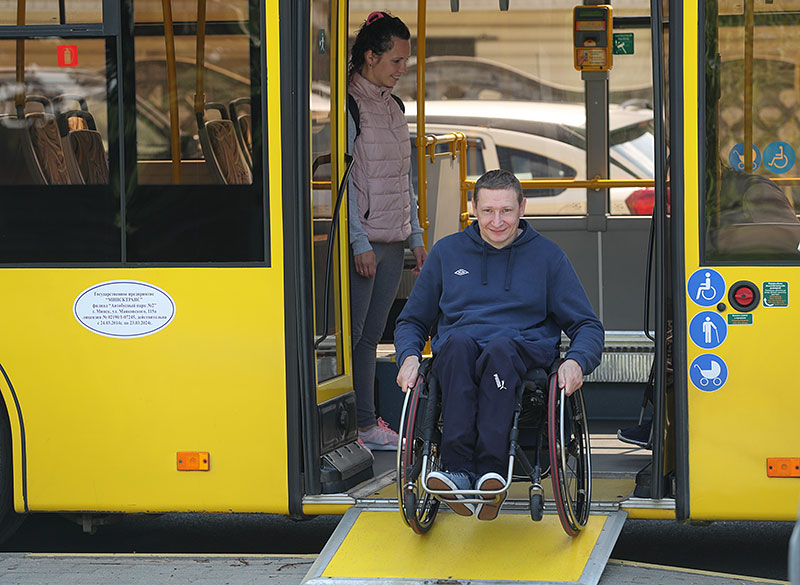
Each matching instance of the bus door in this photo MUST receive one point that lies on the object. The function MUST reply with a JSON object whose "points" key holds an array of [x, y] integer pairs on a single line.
{"points": [[336, 462], [740, 261], [584, 144]]}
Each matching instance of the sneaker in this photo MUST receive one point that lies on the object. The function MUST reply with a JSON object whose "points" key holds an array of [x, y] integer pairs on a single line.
{"points": [[638, 435], [491, 482], [380, 437], [363, 446], [445, 480]]}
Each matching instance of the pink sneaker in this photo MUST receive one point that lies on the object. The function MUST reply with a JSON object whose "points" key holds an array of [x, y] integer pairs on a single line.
{"points": [[363, 446], [379, 437]]}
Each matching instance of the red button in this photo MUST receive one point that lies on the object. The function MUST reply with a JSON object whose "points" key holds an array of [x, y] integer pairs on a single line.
{"points": [[744, 295]]}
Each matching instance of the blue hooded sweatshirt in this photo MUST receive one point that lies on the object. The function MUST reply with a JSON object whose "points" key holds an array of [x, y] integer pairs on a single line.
{"points": [[527, 290]]}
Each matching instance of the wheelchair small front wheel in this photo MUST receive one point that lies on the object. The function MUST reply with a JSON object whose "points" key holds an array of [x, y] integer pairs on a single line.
{"points": [[568, 438], [417, 507], [536, 497]]}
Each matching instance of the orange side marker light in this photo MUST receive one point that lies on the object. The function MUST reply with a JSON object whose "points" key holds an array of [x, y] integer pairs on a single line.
{"points": [[193, 461], [783, 466]]}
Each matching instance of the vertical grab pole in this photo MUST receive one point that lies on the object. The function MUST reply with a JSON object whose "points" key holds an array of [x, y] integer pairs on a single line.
{"points": [[422, 180], [748, 85], [172, 85], [657, 487], [19, 100], [200, 63]]}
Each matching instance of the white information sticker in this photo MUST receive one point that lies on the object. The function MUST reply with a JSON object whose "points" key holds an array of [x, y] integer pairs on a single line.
{"points": [[124, 308]]}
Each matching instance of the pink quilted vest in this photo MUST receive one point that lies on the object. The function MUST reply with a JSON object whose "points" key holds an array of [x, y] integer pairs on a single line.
{"points": [[382, 155]]}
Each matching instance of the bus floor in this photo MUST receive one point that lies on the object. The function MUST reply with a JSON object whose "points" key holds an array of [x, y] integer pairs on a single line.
{"points": [[614, 466]]}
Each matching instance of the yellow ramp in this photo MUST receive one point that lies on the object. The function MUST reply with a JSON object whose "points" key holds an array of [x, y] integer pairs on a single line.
{"points": [[371, 546]]}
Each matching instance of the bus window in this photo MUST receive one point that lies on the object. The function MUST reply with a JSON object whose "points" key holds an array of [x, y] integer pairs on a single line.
{"points": [[199, 189], [54, 137], [75, 12], [226, 78], [750, 213]]}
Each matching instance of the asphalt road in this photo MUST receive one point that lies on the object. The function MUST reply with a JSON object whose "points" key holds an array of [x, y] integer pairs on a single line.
{"points": [[756, 549]]}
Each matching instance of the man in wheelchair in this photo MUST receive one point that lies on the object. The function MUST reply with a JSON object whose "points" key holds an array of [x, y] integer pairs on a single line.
{"points": [[496, 297]]}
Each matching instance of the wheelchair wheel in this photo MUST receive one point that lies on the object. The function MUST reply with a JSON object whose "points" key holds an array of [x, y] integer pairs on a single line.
{"points": [[568, 438], [417, 507], [536, 498]]}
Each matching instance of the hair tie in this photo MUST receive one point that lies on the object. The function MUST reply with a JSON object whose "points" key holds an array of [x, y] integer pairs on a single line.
{"points": [[377, 15]]}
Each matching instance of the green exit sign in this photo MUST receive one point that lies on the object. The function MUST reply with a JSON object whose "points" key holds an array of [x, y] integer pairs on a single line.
{"points": [[623, 43]]}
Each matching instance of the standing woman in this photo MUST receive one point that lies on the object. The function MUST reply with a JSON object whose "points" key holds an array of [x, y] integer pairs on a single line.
{"points": [[382, 205]]}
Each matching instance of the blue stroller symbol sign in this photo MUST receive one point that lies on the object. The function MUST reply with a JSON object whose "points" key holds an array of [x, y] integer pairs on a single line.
{"points": [[736, 157], [708, 372]]}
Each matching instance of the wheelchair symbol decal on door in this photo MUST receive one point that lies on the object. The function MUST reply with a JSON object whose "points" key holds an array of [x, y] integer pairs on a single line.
{"points": [[708, 329], [708, 372], [779, 157], [706, 287]]}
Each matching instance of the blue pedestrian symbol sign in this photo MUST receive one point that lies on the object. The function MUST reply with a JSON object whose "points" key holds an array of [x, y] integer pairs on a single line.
{"points": [[736, 157], [778, 157], [708, 330], [708, 372], [706, 287]]}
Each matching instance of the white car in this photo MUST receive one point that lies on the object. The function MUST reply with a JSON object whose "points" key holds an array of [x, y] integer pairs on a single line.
{"points": [[538, 140]]}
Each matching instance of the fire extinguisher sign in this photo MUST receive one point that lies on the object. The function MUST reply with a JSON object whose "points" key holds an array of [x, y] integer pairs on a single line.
{"points": [[67, 55]]}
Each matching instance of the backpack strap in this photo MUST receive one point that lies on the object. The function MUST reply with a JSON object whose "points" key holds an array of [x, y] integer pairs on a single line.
{"points": [[399, 103], [352, 107]]}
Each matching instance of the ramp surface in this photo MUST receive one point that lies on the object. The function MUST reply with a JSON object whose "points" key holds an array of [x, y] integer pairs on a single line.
{"points": [[510, 548]]}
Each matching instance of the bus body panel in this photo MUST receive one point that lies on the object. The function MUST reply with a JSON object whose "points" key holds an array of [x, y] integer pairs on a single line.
{"points": [[734, 429], [105, 436], [104, 418]]}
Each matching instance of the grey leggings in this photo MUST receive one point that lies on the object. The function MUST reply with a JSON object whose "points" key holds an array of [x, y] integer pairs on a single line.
{"points": [[370, 302]]}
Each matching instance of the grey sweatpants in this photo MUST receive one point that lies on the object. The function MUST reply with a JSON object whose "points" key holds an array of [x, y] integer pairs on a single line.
{"points": [[370, 302]]}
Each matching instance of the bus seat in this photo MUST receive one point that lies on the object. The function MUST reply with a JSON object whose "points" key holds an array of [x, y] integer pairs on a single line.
{"points": [[90, 156], [83, 144], [239, 110], [47, 147], [16, 150], [221, 149], [46, 142], [755, 217]]}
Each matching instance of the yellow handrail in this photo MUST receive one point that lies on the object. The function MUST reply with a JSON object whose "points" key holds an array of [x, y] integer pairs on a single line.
{"points": [[172, 84], [458, 148], [20, 94], [595, 184], [422, 184]]}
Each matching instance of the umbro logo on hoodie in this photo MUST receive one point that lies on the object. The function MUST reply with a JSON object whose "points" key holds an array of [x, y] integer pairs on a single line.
{"points": [[461, 272]]}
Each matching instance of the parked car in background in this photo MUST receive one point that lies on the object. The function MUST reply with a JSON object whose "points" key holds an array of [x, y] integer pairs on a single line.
{"points": [[546, 140], [475, 78]]}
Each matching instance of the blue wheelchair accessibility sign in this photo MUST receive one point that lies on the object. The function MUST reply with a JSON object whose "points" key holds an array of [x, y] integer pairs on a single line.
{"points": [[708, 372], [708, 329], [779, 157], [706, 287], [736, 157]]}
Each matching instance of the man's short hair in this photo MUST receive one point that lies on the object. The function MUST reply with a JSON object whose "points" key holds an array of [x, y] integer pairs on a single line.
{"points": [[497, 179]]}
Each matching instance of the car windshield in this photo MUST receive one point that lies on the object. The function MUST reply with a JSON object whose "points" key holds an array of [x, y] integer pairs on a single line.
{"points": [[633, 148]]}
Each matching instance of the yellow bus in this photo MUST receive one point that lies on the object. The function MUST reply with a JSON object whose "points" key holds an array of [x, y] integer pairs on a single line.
{"points": [[174, 251]]}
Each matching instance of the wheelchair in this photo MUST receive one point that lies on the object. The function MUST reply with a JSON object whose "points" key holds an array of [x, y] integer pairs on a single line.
{"points": [[555, 425]]}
